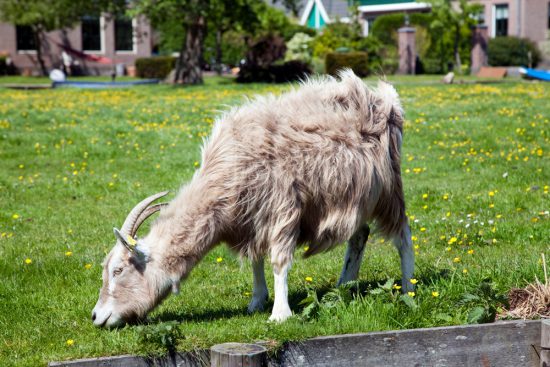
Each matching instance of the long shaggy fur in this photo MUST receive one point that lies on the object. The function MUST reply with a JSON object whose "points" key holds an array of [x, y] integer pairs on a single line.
{"points": [[307, 167]]}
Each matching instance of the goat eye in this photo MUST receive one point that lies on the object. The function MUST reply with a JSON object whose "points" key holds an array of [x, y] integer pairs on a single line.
{"points": [[117, 271]]}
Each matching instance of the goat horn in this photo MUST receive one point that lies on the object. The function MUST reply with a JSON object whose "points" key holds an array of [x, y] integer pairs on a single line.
{"points": [[132, 218], [150, 210]]}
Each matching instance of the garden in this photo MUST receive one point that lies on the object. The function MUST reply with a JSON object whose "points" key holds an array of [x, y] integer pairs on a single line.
{"points": [[73, 162]]}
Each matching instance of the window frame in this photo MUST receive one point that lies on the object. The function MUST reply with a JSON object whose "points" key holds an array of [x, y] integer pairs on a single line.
{"points": [[22, 50], [494, 20], [134, 38], [101, 37]]}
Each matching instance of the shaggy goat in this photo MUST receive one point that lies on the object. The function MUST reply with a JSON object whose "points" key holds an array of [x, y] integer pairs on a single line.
{"points": [[312, 166]]}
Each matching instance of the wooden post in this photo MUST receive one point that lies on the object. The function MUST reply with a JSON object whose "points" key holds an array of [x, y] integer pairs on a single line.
{"points": [[238, 355], [545, 343]]}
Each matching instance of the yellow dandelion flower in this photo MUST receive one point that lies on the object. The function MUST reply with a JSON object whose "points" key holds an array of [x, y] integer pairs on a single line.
{"points": [[411, 294], [423, 229], [68, 253], [70, 342], [219, 259], [414, 281], [88, 266], [470, 252], [395, 286], [446, 197], [491, 193], [306, 248], [464, 271], [491, 205], [424, 196], [456, 260], [15, 216], [435, 294], [309, 279], [452, 240], [28, 261]]}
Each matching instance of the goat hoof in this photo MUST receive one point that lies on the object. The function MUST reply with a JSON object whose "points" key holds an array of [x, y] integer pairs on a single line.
{"points": [[257, 304], [280, 315]]}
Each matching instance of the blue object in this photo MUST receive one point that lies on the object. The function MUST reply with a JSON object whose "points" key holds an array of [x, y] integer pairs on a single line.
{"points": [[535, 74], [102, 85]]}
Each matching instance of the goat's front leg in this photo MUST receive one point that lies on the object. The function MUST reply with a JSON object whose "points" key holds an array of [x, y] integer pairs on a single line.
{"points": [[403, 242], [259, 293], [281, 310]]}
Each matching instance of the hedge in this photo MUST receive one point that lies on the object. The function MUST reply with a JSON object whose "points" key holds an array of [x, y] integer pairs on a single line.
{"points": [[275, 73], [512, 51], [356, 61], [155, 67], [5, 68]]}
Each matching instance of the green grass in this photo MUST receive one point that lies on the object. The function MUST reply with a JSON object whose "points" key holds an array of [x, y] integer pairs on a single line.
{"points": [[73, 162]]}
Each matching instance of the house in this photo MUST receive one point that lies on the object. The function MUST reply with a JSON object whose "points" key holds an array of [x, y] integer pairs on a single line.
{"points": [[94, 46], [317, 13], [520, 18]]}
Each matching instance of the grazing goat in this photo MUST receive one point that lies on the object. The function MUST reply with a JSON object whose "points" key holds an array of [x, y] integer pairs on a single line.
{"points": [[312, 166]]}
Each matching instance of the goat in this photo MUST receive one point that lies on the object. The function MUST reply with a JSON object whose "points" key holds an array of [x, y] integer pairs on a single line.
{"points": [[313, 166]]}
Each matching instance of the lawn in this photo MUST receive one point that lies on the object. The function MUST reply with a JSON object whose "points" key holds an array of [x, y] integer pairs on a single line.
{"points": [[73, 162]]}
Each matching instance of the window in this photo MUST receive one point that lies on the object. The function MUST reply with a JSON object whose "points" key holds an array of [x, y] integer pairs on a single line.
{"points": [[25, 38], [124, 34], [501, 20], [91, 33]]}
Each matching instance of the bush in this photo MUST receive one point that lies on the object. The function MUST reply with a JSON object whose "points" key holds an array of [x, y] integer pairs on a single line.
{"points": [[275, 73], [298, 48], [155, 67], [7, 68], [512, 51], [356, 61]]}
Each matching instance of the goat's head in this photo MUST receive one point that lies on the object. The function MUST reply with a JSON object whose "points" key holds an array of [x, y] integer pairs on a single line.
{"points": [[130, 288]]}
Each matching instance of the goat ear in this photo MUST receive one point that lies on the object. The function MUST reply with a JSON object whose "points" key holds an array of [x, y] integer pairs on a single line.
{"points": [[126, 240]]}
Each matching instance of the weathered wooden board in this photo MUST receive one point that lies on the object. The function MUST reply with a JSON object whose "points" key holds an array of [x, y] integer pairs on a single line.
{"points": [[194, 359], [500, 344]]}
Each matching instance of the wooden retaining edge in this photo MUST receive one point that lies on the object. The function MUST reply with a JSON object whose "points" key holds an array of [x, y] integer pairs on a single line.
{"points": [[507, 343]]}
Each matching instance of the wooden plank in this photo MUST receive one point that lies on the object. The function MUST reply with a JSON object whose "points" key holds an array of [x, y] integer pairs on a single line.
{"points": [[500, 344], [509, 343], [191, 359], [491, 72]]}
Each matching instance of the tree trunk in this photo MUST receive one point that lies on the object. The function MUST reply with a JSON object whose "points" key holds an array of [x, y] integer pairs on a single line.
{"points": [[219, 35], [458, 63], [37, 33], [188, 69]]}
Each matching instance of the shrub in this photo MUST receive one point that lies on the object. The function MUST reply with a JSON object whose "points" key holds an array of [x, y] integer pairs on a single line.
{"points": [[512, 51], [6, 68], [356, 61], [155, 67], [275, 73], [298, 48]]}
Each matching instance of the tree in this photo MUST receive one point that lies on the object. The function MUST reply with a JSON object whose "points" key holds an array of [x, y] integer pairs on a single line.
{"points": [[455, 23], [47, 15], [195, 18]]}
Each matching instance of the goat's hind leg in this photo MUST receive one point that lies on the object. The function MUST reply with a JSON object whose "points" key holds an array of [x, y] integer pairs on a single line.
{"points": [[403, 242], [259, 293], [354, 255]]}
